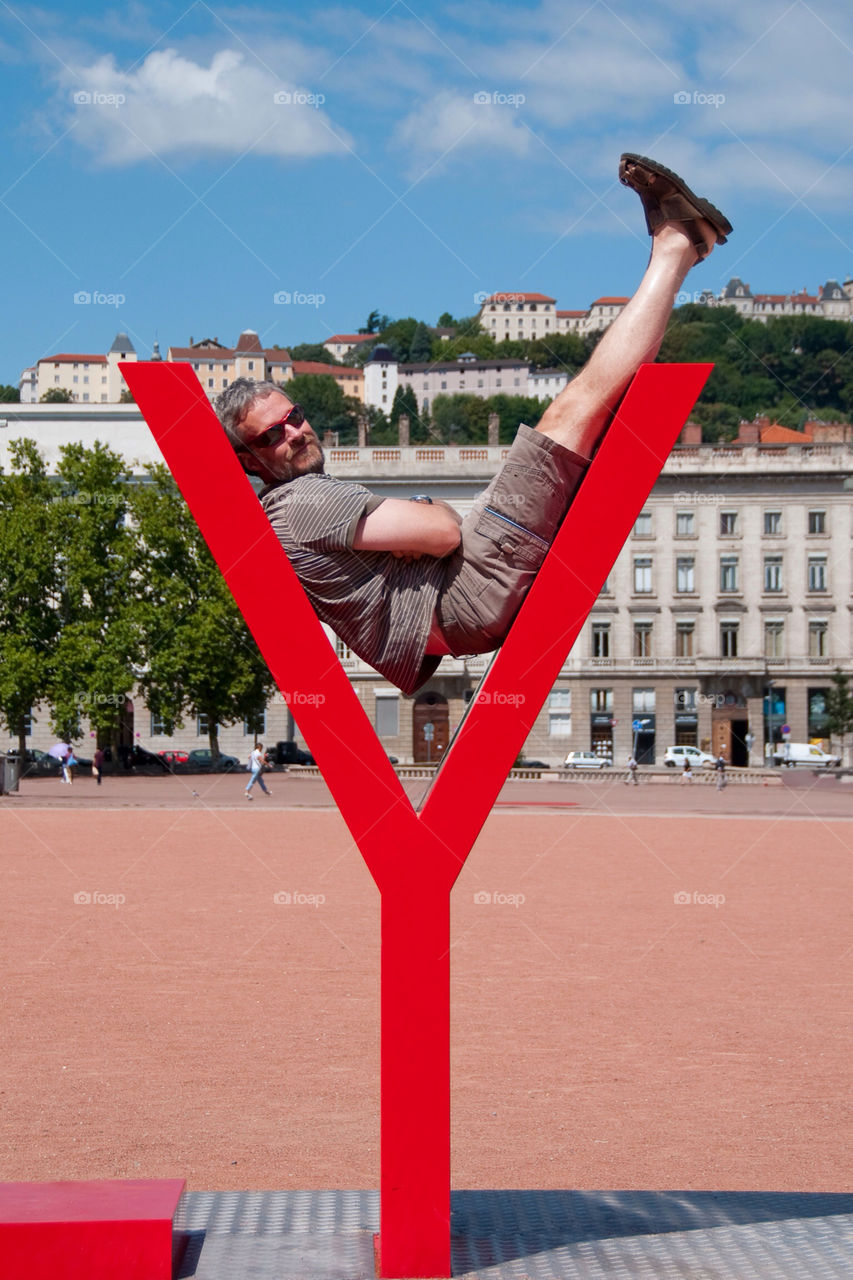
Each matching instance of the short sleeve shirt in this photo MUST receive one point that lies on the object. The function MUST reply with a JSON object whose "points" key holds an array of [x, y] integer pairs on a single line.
{"points": [[382, 607]]}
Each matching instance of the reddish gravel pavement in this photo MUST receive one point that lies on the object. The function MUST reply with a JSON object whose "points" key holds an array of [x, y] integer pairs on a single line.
{"points": [[183, 1023]]}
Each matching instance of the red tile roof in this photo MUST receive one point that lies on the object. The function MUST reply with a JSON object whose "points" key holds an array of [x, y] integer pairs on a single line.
{"points": [[317, 366], [777, 434], [609, 302], [64, 358], [212, 355], [352, 338], [571, 313]]}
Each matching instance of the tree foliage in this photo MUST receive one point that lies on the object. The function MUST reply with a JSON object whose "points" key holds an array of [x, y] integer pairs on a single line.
{"points": [[313, 351], [56, 395], [839, 706]]}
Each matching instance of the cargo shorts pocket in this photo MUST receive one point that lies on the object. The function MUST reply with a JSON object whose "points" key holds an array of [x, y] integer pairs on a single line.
{"points": [[508, 544]]}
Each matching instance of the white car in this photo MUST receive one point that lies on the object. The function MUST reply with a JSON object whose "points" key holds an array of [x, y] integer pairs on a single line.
{"points": [[677, 755], [586, 760]]}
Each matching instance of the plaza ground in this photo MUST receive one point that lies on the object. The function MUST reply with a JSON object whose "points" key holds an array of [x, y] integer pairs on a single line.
{"points": [[650, 987]]}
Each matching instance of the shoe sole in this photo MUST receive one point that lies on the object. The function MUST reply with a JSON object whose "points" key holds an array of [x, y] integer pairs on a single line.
{"points": [[703, 207]]}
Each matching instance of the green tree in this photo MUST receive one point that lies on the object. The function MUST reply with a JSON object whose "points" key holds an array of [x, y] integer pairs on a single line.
{"points": [[375, 323], [56, 395], [9, 395], [839, 707], [95, 659], [326, 406], [421, 345], [29, 586], [198, 655], [312, 351]]}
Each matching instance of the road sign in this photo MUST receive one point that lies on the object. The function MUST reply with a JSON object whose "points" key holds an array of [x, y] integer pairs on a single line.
{"points": [[786, 730], [429, 732], [636, 725]]}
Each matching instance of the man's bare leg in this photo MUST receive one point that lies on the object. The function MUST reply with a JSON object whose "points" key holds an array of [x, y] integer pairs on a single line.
{"points": [[582, 412]]}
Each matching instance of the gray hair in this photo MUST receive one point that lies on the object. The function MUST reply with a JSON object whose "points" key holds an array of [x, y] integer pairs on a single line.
{"points": [[232, 405]]}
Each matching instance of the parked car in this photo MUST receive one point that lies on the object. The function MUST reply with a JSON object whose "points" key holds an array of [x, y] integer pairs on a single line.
{"points": [[176, 759], [37, 764], [133, 758], [587, 760], [531, 764], [289, 753], [201, 760], [698, 759], [794, 753]]}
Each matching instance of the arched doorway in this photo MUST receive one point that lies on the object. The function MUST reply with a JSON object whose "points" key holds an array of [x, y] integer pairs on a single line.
{"points": [[430, 727]]}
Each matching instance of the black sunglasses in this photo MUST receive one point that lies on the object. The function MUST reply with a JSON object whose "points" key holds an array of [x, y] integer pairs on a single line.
{"points": [[294, 417]]}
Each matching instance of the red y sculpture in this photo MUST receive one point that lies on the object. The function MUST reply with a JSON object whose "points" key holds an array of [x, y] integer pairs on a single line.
{"points": [[415, 858]]}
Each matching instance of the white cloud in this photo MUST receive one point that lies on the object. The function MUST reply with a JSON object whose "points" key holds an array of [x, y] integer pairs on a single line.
{"points": [[170, 105], [451, 122]]}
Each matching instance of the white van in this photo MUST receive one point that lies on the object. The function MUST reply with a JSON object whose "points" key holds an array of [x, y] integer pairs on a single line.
{"points": [[793, 753]]}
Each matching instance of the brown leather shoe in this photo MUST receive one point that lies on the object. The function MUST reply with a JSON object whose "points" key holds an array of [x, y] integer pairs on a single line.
{"points": [[667, 198]]}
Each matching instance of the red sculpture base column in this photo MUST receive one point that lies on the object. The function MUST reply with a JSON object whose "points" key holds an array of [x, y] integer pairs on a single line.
{"points": [[90, 1230]]}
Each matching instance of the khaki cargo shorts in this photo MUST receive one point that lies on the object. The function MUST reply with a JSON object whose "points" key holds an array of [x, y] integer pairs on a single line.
{"points": [[505, 538]]}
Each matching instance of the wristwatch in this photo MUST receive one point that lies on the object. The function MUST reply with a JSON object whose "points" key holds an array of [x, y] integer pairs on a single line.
{"points": [[421, 497]]}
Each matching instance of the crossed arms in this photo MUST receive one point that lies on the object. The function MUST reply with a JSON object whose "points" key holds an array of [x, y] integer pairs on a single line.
{"points": [[409, 529]]}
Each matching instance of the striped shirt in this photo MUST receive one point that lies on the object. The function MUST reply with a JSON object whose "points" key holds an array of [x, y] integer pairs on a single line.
{"points": [[381, 606]]}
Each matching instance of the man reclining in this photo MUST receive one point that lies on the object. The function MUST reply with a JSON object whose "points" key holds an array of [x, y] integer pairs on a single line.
{"points": [[404, 582]]}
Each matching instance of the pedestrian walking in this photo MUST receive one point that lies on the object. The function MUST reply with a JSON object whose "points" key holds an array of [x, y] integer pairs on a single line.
{"points": [[720, 766], [98, 764], [632, 772], [686, 772], [67, 762], [256, 764]]}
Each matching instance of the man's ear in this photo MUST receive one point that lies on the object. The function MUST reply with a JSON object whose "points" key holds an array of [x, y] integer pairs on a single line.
{"points": [[248, 462]]}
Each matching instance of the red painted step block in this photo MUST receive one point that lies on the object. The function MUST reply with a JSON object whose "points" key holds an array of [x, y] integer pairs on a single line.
{"points": [[91, 1230]]}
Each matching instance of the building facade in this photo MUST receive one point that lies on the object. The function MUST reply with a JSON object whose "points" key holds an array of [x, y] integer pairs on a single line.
{"points": [[721, 623]]}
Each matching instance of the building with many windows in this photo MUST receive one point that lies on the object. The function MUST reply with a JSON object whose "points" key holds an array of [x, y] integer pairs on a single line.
{"points": [[721, 623]]}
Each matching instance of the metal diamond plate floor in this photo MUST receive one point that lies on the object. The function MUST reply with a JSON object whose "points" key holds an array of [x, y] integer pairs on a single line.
{"points": [[531, 1235]]}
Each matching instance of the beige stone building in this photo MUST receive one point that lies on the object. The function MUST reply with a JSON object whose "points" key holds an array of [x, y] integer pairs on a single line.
{"points": [[217, 366], [518, 315], [88, 379], [341, 345], [723, 619]]}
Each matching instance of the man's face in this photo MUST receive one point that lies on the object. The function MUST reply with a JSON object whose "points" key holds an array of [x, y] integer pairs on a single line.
{"points": [[296, 452]]}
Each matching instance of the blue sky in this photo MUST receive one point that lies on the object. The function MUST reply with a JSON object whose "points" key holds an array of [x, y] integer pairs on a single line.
{"points": [[182, 165]]}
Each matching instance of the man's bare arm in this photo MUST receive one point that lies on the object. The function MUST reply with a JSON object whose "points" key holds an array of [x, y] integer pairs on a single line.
{"points": [[409, 528]]}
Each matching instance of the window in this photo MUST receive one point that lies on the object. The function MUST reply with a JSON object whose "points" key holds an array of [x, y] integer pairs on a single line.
{"points": [[818, 640], [684, 573], [560, 713], [255, 725], [817, 522], [774, 639], [729, 639], [642, 575], [28, 723], [685, 699], [772, 573], [817, 573], [342, 649], [772, 523], [601, 699], [203, 726], [728, 524], [818, 714], [387, 714], [601, 639], [685, 524], [606, 589], [642, 639], [251, 365], [642, 700], [684, 632], [728, 573], [643, 525]]}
